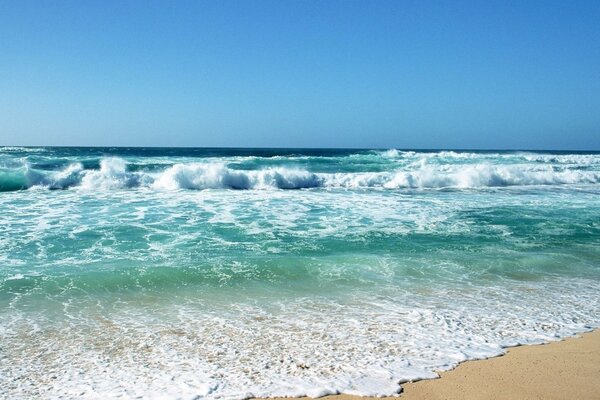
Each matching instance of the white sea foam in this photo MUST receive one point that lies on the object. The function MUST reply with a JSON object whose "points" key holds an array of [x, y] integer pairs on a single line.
{"points": [[310, 346], [15, 277], [21, 149], [391, 153], [218, 176], [450, 156], [464, 176], [113, 174]]}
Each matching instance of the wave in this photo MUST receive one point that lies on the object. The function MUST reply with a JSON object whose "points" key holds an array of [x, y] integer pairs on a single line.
{"points": [[21, 149], [217, 176], [465, 177], [520, 156], [113, 173]]}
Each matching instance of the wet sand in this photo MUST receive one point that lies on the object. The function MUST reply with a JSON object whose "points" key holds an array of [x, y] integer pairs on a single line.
{"points": [[568, 369]]}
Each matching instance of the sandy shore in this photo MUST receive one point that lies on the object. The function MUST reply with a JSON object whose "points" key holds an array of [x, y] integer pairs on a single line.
{"points": [[569, 369]]}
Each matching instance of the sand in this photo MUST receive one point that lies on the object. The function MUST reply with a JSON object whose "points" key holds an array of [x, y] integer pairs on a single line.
{"points": [[568, 369]]}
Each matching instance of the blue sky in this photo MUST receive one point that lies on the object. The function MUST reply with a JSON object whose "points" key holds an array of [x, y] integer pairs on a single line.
{"points": [[405, 74]]}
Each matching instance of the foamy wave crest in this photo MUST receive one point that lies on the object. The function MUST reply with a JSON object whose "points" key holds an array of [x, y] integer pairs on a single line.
{"points": [[114, 174], [21, 149], [391, 153], [574, 159], [451, 156], [466, 176], [217, 176]]}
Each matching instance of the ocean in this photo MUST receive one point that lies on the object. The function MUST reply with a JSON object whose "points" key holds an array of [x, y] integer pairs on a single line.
{"points": [[167, 273]]}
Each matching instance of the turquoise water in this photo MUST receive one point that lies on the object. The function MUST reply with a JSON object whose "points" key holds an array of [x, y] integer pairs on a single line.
{"points": [[229, 273]]}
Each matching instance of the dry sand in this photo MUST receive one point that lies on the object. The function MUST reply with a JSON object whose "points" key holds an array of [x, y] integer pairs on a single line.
{"points": [[569, 369]]}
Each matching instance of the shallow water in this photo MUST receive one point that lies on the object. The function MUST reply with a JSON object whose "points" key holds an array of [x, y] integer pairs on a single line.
{"points": [[175, 273]]}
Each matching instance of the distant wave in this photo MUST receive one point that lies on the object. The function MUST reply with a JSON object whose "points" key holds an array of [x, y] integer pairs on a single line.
{"points": [[21, 149], [451, 155], [466, 176], [114, 174]]}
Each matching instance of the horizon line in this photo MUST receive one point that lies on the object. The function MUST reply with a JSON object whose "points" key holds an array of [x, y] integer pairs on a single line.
{"points": [[302, 148]]}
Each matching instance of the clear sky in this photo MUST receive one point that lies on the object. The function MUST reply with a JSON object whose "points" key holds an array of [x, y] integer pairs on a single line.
{"points": [[285, 73]]}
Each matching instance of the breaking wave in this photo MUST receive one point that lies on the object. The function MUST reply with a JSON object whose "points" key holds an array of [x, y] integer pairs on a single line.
{"points": [[465, 177], [217, 176], [113, 173]]}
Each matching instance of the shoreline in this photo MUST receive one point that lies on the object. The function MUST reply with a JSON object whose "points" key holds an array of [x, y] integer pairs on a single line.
{"points": [[568, 368]]}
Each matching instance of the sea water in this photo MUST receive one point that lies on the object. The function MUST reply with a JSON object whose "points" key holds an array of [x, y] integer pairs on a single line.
{"points": [[168, 273]]}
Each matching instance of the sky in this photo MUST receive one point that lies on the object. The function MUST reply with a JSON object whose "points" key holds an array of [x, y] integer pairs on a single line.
{"points": [[367, 74]]}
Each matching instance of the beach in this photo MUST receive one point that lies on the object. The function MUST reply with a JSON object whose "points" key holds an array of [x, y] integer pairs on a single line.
{"points": [[268, 200], [336, 200], [567, 369]]}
